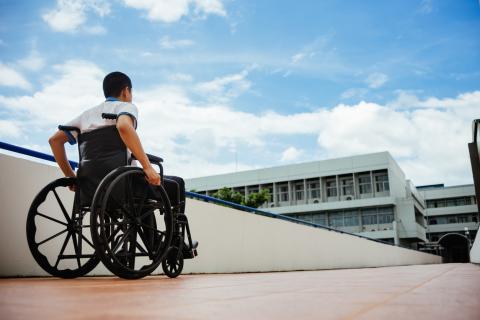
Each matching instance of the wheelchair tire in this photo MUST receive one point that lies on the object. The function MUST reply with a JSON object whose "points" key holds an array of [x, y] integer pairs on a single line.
{"points": [[172, 265], [131, 223], [48, 220]]}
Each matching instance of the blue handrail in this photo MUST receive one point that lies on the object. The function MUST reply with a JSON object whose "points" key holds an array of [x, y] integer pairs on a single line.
{"points": [[44, 156], [33, 153]]}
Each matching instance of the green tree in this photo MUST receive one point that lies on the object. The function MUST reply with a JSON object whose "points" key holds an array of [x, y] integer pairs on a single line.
{"points": [[228, 194], [256, 199], [253, 200]]}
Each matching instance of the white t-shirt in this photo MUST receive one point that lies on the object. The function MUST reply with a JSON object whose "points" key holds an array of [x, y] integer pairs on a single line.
{"points": [[91, 119]]}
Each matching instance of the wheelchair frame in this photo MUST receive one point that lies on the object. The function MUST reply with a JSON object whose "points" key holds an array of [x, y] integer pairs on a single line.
{"points": [[131, 235]]}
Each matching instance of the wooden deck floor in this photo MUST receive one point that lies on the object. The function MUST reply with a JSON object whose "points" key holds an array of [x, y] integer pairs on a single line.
{"points": [[446, 291]]}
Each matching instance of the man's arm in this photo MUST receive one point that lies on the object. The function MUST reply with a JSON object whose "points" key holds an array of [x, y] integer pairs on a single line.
{"points": [[57, 143], [132, 141]]}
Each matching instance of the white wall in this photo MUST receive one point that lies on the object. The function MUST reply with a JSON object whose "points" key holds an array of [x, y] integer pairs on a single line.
{"points": [[230, 240], [475, 251]]}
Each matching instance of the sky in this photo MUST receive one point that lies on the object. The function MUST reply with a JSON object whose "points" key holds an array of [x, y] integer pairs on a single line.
{"points": [[230, 85]]}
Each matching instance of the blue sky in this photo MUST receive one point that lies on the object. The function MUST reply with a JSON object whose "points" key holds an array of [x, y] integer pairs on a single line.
{"points": [[225, 85]]}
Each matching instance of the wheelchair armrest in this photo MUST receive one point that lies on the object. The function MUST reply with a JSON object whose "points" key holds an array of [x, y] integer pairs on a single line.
{"points": [[154, 160], [151, 158], [67, 129]]}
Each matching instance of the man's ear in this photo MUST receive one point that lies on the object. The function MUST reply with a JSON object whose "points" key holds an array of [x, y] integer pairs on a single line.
{"points": [[123, 93]]}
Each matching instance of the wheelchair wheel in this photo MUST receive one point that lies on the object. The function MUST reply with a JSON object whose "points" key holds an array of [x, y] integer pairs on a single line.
{"points": [[172, 265], [131, 223], [55, 232]]}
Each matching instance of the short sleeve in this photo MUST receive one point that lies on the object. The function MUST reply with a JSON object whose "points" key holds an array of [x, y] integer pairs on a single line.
{"points": [[128, 109], [73, 135]]}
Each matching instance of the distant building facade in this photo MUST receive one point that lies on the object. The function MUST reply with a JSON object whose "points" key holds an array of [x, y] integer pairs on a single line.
{"points": [[365, 194]]}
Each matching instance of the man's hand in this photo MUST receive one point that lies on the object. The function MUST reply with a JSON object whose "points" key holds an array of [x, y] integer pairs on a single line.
{"points": [[152, 176]]}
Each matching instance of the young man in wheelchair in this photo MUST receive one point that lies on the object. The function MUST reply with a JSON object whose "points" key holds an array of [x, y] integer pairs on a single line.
{"points": [[106, 135], [117, 88]]}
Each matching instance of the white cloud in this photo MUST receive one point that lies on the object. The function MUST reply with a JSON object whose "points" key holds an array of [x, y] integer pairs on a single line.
{"points": [[34, 62], [167, 43], [227, 87], [298, 57], [75, 87], [426, 7], [429, 141], [180, 77], [96, 30], [376, 80], [9, 129], [11, 78], [170, 11], [291, 154], [354, 93], [210, 7], [68, 15]]}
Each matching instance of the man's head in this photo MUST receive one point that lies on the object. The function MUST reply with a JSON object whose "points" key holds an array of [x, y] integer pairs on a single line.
{"points": [[118, 85]]}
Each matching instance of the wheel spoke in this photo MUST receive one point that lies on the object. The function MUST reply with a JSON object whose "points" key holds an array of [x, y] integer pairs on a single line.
{"points": [[122, 240], [77, 251], [146, 242], [147, 213], [61, 206], [63, 249], [50, 218], [132, 249], [50, 238], [85, 239], [110, 238], [154, 229], [142, 250]]}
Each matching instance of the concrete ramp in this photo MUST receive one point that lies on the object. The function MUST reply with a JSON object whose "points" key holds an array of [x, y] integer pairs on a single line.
{"points": [[230, 240]]}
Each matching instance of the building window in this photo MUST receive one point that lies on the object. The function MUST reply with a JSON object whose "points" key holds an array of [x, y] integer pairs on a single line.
{"points": [[282, 193], [299, 191], [385, 215], [252, 189], [449, 202], [365, 184], [381, 183], [347, 187], [331, 188], [320, 219], [336, 220], [351, 218], [314, 188], [452, 220], [433, 221], [369, 216]]}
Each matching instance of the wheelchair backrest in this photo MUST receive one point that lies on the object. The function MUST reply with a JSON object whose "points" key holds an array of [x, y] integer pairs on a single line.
{"points": [[100, 151]]}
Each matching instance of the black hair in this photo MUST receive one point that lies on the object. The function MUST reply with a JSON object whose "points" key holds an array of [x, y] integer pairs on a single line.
{"points": [[114, 83]]}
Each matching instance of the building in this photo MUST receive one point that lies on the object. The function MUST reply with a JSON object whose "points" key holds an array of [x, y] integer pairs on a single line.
{"points": [[366, 194], [452, 219]]}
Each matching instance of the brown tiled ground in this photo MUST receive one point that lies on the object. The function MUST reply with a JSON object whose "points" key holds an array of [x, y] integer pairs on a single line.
{"points": [[447, 291]]}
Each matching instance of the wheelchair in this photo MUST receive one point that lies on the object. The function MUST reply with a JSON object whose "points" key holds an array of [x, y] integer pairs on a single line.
{"points": [[114, 216]]}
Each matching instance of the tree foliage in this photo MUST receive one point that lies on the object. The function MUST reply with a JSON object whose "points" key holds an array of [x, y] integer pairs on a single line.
{"points": [[253, 200]]}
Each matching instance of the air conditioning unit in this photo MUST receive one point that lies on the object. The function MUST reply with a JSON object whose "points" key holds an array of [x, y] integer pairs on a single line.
{"points": [[348, 198]]}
